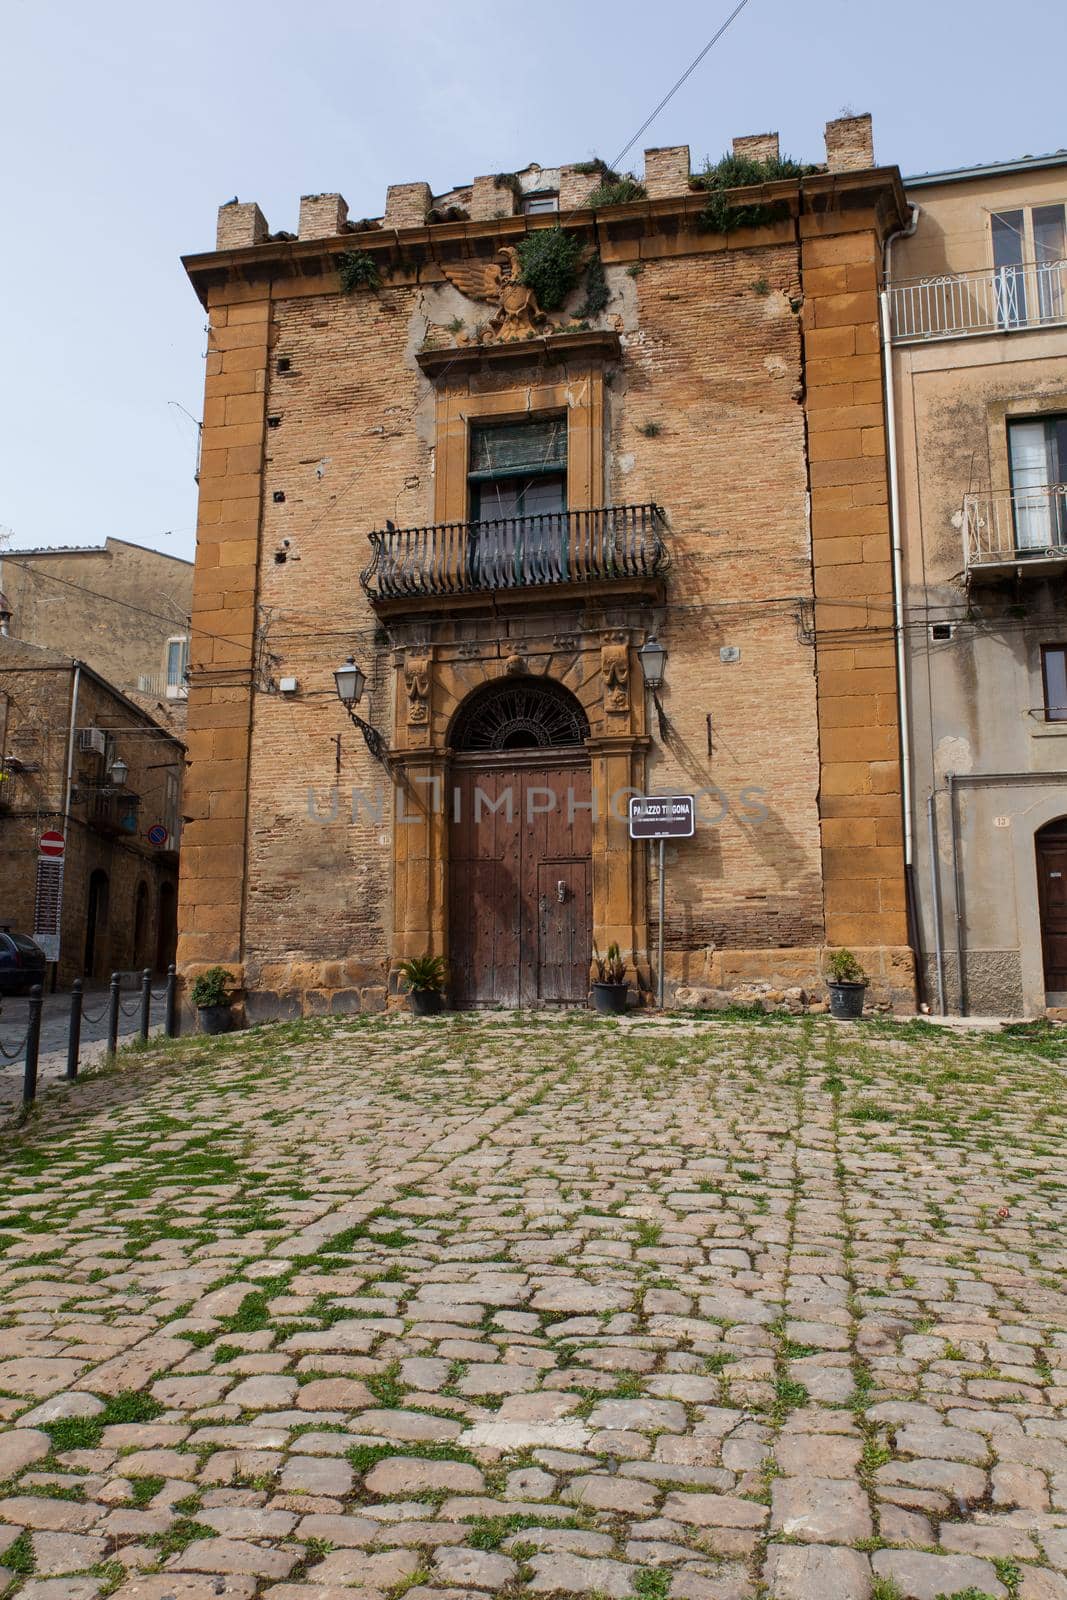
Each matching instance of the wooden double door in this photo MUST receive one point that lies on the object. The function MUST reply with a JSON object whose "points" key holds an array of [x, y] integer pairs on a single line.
{"points": [[520, 895], [1051, 845]]}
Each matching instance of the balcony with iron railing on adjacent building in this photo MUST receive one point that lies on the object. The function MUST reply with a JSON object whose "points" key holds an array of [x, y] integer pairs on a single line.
{"points": [[608, 546], [1000, 300], [1021, 529]]}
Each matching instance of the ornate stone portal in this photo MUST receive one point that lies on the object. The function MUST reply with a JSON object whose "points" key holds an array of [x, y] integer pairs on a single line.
{"points": [[422, 762]]}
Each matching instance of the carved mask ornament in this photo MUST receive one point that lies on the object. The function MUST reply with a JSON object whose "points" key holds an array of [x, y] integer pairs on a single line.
{"points": [[417, 686], [615, 670]]}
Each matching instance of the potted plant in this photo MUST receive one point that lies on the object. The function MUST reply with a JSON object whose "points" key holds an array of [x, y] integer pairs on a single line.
{"points": [[847, 984], [610, 985], [211, 997], [425, 977]]}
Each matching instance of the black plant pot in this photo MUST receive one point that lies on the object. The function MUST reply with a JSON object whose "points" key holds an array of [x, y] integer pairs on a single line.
{"points": [[846, 1001], [610, 998], [425, 1002], [215, 1019]]}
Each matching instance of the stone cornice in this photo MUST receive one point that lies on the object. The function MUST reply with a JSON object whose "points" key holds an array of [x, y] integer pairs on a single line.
{"points": [[551, 347], [409, 254]]}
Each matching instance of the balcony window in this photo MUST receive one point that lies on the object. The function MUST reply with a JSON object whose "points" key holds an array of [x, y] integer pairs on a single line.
{"points": [[1054, 678], [1009, 285], [518, 495], [1038, 457], [1050, 256], [177, 666]]}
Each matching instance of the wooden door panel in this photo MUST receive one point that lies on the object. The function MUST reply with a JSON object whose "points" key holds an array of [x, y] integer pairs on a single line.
{"points": [[1052, 898], [511, 940], [563, 932]]}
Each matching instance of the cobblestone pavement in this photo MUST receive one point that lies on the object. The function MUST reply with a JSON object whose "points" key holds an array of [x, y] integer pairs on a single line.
{"points": [[55, 1031], [698, 1310]]}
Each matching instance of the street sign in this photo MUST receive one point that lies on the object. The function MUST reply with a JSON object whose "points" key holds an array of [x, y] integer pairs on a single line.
{"points": [[662, 816], [158, 835], [48, 902], [52, 845]]}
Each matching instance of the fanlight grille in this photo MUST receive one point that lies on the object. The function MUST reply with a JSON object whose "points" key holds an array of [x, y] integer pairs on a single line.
{"points": [[527, 715]]}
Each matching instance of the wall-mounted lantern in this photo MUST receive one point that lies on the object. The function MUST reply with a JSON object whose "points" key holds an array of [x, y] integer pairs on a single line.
{"points": [[653, 658], [350, 681]]}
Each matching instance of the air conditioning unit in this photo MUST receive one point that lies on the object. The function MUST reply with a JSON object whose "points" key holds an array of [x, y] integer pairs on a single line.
{"points": [[92, 740]]}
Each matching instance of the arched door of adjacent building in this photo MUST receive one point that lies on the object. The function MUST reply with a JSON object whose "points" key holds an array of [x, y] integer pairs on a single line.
{"points": [[96, 925], [520, 843], [1051, 848], [166, 926], [140, 925]]}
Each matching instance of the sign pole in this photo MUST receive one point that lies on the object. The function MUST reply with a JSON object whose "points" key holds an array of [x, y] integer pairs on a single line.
{"points": [[662, 817], [662, 844]]}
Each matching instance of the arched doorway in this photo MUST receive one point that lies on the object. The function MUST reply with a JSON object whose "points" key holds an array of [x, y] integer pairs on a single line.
{"points": [[1050, 845], [96, 925], [520, 844], [166, 926]]}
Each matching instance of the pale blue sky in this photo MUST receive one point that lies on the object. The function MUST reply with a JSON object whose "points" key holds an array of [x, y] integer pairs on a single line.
{"points": [[122, 128]]}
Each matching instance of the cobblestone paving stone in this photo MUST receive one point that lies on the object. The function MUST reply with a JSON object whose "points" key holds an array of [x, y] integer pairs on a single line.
{"points": [[705, 1310]]}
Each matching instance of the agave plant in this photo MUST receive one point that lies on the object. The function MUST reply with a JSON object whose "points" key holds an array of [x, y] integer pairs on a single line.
{"points": [[610, 968], [424, 973]]}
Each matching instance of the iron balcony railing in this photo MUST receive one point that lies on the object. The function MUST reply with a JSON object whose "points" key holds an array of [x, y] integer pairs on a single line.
{"points": [[997, 301], [1015, 526], [614, 542]]}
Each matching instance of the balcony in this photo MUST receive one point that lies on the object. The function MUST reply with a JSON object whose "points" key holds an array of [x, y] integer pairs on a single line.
{"points": [[612, 545], [1002, 300], [113, 812], [1022, 529]]}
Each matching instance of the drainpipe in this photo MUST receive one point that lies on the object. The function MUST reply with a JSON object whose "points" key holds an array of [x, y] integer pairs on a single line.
{"points": [[894, 511], [70, 742], [935, 898], [950, 782]]}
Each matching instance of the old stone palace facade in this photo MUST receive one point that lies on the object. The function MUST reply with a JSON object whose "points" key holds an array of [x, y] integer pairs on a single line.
{"points": [[488, 446]]}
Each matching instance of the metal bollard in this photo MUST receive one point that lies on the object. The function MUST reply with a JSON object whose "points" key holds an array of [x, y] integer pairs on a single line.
{"points": [[146, 1001], [113, 1015], [33, 1046], [170, 1023], [74, 1035]]}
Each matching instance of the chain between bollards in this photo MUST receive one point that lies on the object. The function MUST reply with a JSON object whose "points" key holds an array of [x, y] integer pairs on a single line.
{"points": [[33, 1046], [113, 1014], [74, 1036], [146, 1001], [170, 1018]]}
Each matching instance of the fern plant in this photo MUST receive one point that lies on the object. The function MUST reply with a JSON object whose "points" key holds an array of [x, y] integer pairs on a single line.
{"points": [[358, 270]]}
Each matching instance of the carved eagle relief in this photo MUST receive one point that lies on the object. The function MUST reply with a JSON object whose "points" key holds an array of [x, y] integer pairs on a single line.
{"points": [[518, 316]]}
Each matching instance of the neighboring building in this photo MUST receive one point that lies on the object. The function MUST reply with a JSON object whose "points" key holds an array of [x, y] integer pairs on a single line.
{"points": [[978, 301], [493, 510], [80, 759], [123, 608]]}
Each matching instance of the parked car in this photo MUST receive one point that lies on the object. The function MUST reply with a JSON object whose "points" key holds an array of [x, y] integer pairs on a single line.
{"points": [[22, 963]]}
